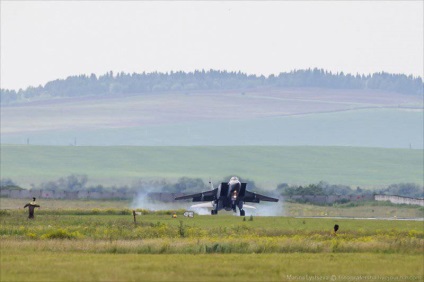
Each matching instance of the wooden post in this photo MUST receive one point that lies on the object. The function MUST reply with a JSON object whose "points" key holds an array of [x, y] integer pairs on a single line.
{"points": [[135, 221]]}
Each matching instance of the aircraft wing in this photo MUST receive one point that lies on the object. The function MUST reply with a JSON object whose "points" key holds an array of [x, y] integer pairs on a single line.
{"points": [[256, 198], [200, 197]]}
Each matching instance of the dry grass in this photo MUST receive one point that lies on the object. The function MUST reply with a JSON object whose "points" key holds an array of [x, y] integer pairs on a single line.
{"points": [[19, 265]]}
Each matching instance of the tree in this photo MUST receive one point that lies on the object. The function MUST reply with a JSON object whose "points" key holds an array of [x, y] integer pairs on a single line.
{"points": [[122, 83]]}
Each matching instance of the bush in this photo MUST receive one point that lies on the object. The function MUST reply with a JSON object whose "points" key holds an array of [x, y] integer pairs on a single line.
{"points": [[61, 234]]}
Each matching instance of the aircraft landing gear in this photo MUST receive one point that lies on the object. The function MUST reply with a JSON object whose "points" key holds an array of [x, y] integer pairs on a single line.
{"points": [[242, 213], [214, 212]]}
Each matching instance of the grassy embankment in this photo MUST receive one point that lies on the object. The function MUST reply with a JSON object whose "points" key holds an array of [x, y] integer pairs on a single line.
{"points": [[268, 166]]}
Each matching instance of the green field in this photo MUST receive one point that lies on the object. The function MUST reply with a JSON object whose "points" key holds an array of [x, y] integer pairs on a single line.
{"points": [[262, 117], [387, 128], [267, 166], [354, 210], [24, 264], [98, 245]]}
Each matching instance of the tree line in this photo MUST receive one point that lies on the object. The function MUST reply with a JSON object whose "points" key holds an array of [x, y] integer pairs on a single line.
{"points": [[187, 185], [139, 83], [322, 188]]}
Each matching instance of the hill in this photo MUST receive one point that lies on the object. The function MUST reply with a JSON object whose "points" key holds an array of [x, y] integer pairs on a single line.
{"points": [[296, 116], [268, 166]]}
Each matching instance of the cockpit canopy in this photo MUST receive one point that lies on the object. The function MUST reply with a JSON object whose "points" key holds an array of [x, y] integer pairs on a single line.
{"points": [[234, 179]]}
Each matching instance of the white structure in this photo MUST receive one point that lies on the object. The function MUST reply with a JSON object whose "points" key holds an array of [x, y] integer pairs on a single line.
{"points": [[400, 200]]}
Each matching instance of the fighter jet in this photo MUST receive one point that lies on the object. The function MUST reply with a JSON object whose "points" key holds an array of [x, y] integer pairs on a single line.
{"points": [[228, 196]]}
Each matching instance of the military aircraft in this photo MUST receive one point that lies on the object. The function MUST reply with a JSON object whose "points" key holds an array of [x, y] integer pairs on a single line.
{"points": [[227, 196]]}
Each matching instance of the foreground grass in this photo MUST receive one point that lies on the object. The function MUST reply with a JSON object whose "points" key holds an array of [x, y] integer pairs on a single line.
{"points": [[159, 233], [106, 245], [24, 265]]}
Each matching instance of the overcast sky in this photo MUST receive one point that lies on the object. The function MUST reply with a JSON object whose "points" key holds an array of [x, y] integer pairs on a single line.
{"points": [[46, 40]]}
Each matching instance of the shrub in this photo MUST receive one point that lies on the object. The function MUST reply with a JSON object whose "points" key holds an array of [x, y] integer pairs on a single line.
{"points": [[31, 235], [61, 234]]}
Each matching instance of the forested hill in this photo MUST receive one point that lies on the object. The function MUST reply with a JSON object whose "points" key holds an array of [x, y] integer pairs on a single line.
{"points": [[123, 83]]}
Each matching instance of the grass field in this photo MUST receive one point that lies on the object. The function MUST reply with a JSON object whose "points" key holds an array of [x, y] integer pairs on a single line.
{"points": [[388, 128], [170, 108], [27, 265], [105, 245], [358, 210], [278, 117], [268, 166]]}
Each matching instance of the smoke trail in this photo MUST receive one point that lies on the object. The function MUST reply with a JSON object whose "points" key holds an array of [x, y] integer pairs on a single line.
{"points": [[201, 211], [143, 201], [268, 209]]}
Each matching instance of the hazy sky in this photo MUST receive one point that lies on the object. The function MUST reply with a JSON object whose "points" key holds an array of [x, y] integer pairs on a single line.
{"points": [[46, 40]]}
